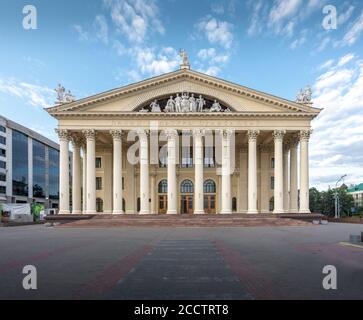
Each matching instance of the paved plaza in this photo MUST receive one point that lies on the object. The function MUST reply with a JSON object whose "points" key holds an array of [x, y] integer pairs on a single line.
{"points": [[180, 263]]}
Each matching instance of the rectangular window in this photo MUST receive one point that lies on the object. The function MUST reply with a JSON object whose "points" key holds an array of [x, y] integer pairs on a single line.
{"points": [[273, 163], [272, 183], [98, 163], [39, 169], [2, 164], [20, 164], [98, 183], [53, 173], [2, 129], [209, 157], [123, 183], [2, 152], [2, 140], [2, 177], [187, 157], [2, 189]]}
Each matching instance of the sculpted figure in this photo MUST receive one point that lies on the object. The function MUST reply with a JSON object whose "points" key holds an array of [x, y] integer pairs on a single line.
{"points": [[201, 103], [178, 102], [143, 110], [170, 106], [185, 103], [216, 107], [60, 90], [228, 110], [69, 97], [155, 107], [192, 104]]}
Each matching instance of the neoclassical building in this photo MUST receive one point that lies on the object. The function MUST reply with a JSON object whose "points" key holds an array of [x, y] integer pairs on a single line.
{"points": [[184, 143]]}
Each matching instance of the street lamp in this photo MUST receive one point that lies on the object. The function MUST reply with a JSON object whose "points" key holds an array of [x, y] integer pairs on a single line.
{"points": [[337, 213]]}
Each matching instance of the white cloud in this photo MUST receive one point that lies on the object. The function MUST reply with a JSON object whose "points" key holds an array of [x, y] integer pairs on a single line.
{"points": [[326, 64], [101, 27], [337, 142], [353, 33], [256, 21], [35, 95], [135, 18], [151, 62], [217, 32], [212, 56], [344, 17]]}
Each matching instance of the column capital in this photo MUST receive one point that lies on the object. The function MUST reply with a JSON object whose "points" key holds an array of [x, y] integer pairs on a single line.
{"points": [[171, 134], [63, 134], [253, 135], [76, 141], [116, 134], [304, 135], [90, 134], [294, 141], [279, 134], [198, 133]]}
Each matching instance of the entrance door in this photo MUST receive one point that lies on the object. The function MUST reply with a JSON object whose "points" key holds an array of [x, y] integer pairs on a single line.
{"points": [[210, 204], [187, 206], [163, 204]]}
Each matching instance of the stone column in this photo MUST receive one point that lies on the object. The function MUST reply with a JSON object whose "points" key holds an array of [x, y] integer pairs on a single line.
{"points": [[265, 165], [252, 171], [76, 176], [144, 172], [172, 193], [84, 179], [64, 172], [304, 171], [243, 177], [117, 171], [286, 176], [279, 172], [91, 170], [199, 175], [153, 191], [294, 207], [226, 172]]}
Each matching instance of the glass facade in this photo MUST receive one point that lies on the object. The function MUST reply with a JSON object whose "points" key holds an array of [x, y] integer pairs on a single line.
{"points": [[53, 174], [20, 164], [39, 169]]}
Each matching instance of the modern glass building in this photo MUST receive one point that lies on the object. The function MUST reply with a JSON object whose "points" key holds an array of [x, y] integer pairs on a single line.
{"points": [[29, 166]]}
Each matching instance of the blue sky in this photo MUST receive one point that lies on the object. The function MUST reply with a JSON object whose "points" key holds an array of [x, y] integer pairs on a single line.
{"points": [[276, 46]]}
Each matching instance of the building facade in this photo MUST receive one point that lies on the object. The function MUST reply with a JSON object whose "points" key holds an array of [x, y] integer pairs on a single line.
{"points": [[357, 193], [185, 143], [29, 166]]}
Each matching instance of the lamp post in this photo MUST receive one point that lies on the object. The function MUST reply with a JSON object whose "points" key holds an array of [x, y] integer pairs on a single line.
{"points": [[337, 213]]}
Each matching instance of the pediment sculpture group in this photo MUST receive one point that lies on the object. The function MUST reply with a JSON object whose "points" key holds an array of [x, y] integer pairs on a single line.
{"points": [[185, 103]]}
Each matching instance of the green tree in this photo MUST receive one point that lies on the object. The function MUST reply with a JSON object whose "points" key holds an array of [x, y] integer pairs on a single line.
{"points": [[328, 203], [315, 200], [346, 202]]}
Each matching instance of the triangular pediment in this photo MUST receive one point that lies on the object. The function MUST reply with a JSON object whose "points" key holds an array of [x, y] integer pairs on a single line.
{"points": [[131, 98]]}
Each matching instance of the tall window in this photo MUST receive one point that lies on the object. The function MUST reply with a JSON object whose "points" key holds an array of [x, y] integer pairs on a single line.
{"points": [[209, 157], [234, 204], [2, 129], [272, 183], [2, 177], [2, 140], [98, 163], [2, 152], [187, 187], [38, 169], [20, 164], [98, 183], [2, 164], [272, 163], [163, 186], [163, 156], [187, 157], [53, 173], [99, 205]]}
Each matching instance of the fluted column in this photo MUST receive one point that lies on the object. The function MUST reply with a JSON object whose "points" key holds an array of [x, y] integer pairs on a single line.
{"points": [[286, 148], [172, 194], [226, 172], [84, 178], [294, 207], [63, 172], [279, 172], [117, 171], [91, 170], [264, 185], [199, 175], [252, 171], [304, 171], [144, 172], [76, 176], [153, 191]]}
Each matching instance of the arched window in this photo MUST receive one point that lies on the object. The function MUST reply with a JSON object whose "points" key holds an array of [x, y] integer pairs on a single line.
{"points": [[99, 205], [187, 187], [272, 204], [210, 186], [163, 186]]}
